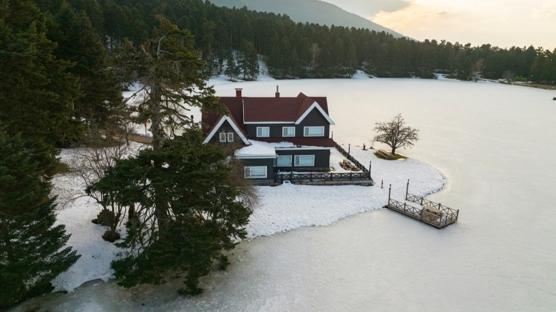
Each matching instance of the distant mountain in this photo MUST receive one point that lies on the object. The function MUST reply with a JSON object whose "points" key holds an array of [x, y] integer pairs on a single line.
{"points": [[312, 11]]}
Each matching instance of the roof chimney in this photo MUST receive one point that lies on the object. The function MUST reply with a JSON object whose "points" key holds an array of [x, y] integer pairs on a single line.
{"points": [[238, 92], [277, 94]]}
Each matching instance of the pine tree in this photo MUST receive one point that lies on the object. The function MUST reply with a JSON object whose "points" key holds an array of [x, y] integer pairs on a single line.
{"points": [[32, 248], [191, 208], [279, 41], [37, 94], [100, 104], [187, 208], [173, 78], [249, 62], [232, 68]]}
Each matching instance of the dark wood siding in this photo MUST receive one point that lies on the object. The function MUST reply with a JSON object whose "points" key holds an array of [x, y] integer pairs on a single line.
{"points": [[275, 130], [315, 118], [268, 162], [322, 159], [226, 128]]}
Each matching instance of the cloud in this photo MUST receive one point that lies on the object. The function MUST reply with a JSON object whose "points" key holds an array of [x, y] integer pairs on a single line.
{"points": [[500, 22], [418, 20], [544, 10], [370, 7]]}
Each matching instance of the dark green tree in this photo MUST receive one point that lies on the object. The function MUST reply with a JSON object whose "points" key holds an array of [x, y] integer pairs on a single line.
{"points": [[171, 73], [248, 61], [32, 247], [303, 50], [233, 70], [37, 94], [100, 104], [190, 208]]}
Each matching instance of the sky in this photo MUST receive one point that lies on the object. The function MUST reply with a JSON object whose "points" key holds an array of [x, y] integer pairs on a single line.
{"points": [[503, 23]]}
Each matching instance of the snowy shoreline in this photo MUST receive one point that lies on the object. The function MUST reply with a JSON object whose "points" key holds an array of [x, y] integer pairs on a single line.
{"points": [[280, 209], [326, 205]]}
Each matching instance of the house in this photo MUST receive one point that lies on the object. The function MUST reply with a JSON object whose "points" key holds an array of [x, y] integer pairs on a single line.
{"points": [[273, 134]]}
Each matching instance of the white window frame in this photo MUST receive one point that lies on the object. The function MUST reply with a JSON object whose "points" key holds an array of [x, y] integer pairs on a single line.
{"points": [[216, 128], [285, 129], [290, 161], [307, 129], [222, 137], [297, 162], [230, 137], [261, 135], [248, 174]]}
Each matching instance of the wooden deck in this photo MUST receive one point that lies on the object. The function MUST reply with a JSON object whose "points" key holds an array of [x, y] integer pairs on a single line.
{"points": [[433, 217], [424, 210]]}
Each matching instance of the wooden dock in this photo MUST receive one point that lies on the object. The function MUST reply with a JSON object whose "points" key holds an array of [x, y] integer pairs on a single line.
{"points": [[421, 209]]}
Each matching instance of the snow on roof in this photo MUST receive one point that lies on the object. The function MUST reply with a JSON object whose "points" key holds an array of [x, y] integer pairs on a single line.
{"points": [[257, 149], [260, 149], [290, 145]]}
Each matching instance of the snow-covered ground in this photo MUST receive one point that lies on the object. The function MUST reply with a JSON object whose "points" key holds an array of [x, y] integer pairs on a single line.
{"points": [[335, 159], [76, 210], [287, 207], [359, 74], [282, 208]]}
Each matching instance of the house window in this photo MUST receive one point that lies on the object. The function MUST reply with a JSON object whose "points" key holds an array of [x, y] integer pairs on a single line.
{"points": [[255, 172], [263, 132], [226, 137], [284, 161], [222, 137], [313, 131], [288, 132], [304, 160]]}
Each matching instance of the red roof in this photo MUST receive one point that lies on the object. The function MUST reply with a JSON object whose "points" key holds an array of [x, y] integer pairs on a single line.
{"points": [[279, 109], [232, 107], [263, 109]]}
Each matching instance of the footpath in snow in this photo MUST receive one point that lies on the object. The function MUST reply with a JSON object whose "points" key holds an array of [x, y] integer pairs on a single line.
{"points": [[279, 209]]}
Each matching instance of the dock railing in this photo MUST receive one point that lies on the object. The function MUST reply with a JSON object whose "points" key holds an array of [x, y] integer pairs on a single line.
{"points": [[324, 178], [429, 212], [444, 215], [347, 154]]}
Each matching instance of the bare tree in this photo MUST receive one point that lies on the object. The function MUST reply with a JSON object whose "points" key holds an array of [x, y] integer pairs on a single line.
{"points": [[93, 165], [396, 134]]}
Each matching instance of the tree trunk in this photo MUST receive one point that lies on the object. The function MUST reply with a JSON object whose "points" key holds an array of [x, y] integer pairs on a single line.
{"points": [[131, 212], [393, 151], [156, 119]]}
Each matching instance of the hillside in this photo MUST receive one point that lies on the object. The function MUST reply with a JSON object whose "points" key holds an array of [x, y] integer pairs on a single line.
{"points": [[312, 11]]}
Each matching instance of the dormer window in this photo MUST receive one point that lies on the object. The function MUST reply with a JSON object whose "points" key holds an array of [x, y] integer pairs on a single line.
{"points": [[288, 132], [222, 137], [263, 132], [226, 137]]}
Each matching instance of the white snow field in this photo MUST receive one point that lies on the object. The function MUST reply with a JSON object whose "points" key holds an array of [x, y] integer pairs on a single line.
{"points": [[494, 143]]}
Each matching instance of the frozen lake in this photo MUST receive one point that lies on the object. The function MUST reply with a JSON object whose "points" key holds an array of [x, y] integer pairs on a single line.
{"points": [[496, 144]]}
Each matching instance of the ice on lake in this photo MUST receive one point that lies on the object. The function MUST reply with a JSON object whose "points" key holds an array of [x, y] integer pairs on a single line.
{"points": [[496, 145]]}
